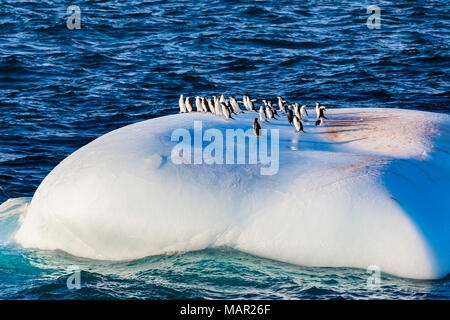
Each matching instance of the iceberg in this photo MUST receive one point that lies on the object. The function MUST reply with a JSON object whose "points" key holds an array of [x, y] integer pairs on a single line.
{"points": [[370, 188]]}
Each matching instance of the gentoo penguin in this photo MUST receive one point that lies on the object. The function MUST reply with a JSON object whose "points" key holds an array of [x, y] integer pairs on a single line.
{"points": [[304, 112], [298, 124], [297, 110], [225, 111], [198, 104], [235, 105], [281, 102], [188, 105], [290, 115], [182, 104], [257, 128], [204, 105], [269, 113], [262, 114]]}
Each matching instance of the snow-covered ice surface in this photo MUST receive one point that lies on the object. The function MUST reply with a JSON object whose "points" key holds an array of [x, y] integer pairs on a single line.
{"points": [[371, 187]]}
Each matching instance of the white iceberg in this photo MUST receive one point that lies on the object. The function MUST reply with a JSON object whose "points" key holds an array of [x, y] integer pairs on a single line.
{"points": [[369, 188]]}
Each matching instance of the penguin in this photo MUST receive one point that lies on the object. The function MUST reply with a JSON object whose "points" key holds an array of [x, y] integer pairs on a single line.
{"points": [[318, 107], [235, 105], [321, 114], [274, 111], [182, 104], [257, 128], [204, 105], [188, 105], [319, 122], [230, 108], [217, 107], [298, 124], [281, 102], [269, 113], [225, 111], [297, 110], [290, 115], [211, 106], [262, 114], [304, 112], [198, 104], [245, 101], [250, 104]]}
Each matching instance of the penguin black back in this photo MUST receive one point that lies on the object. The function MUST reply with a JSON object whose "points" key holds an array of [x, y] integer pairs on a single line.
{"points": [[290, 115], [257, 128]]}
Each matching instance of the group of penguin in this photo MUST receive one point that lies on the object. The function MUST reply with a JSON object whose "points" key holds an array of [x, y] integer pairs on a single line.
{"points": [[220, 106]]}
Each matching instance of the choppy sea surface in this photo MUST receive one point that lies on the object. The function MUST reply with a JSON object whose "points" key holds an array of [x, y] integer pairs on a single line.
{"points": [[130, 60]]}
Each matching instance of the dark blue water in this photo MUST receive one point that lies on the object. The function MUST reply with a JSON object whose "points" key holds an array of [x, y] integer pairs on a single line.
{"points": [[61, 88]]}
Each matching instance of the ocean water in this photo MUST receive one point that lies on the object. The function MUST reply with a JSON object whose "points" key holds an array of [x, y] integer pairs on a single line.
{"points": [[62, 88]]}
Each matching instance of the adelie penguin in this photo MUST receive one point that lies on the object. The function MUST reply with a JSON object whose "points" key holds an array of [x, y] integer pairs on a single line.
{"points": [[298, 124], [257, 128]]}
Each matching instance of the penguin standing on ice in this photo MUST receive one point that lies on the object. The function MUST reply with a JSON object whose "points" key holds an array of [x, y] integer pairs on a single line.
{"points": [[182, 104], [290, 115], [321, 115], [250, 104], [297, 110], [188, 105], [204, 105], [298, 124], [318, 110], [304, 112], [235, 105], [269, 113], [217, 107], [211, 105], [281, 103], [226, 111], [198, 104], [257, 128], [262, 114], [321, 112]]}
